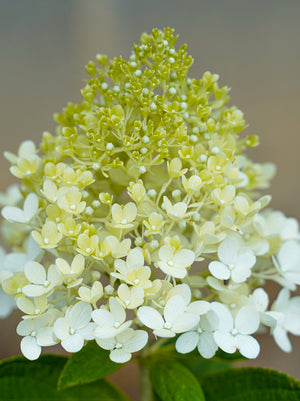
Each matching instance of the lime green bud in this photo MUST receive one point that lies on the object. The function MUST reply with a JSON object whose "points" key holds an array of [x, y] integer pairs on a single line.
{"points": [[102, 59], [252, 141], [88, 94], [106, 198], [91, 68]]}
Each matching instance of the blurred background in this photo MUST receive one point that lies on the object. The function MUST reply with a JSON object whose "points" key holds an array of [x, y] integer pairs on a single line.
{"points": [[253, 45]]}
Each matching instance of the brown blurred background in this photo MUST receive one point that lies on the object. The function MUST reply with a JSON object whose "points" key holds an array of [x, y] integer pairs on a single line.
{"points": [[253, 45]]}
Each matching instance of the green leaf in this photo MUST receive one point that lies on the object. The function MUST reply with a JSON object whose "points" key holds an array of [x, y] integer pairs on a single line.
{"points": [[251, 384], [174, 382], [201, 367], [25, 380], [90, 364], [46, 367], [229, 358], [198, 365]]}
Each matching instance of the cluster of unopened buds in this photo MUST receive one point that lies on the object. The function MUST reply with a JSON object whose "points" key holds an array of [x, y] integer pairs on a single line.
{"points": [[139, 219]]}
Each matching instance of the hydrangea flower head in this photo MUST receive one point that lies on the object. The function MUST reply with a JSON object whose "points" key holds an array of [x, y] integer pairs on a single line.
{"points": [[144, 215]]}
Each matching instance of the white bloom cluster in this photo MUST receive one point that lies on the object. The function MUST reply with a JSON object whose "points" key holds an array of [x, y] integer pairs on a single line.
{"points": [[139, 220]]}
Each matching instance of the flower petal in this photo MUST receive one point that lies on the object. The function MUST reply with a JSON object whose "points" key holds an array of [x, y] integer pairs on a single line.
{"points": [[73, 343], [30, 207], [183, 258], [110, 332], [225, 341], [103, 317], [125, 336], [35, 272], [246, 259], [219, 270], [198, 307], [183, 290], [240, 274], [288, 255], [247, 320], [150, 317], [261, 299], [117, 310], [174, 308], [227, 251], [187, 342], [87, 332], [33, 290], [108, 343], [45, 337], [124, 292], [224, 315], [54, 275], [12, 213], [120, 356], [292, 321], [282, 340], [207, 346], [185, 322], [210, 321], [137, 342], [135, 259], [248, 346], [166, 253], [30, 349], [79, 315], [130, 211], [164, 333], [61, 328], [25, 327]]}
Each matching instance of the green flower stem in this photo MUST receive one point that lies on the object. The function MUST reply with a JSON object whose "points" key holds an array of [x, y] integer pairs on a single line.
{"points": [[145, 383]]}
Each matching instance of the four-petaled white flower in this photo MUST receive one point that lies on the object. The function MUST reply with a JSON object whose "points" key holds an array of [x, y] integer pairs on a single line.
{"points": [[12, 196], [69, 199], [118, 249], [287, 262], [124, 215], [178, 316], [10, 263], [290, 229], [223, 196], [260, 300], [269, 223], [154, 224], [42, 282], [110, 323], [286, 312], [234, 334], [235, 262], [133, 271], [37, 332], [25, 215], [75, 327], [71, 272], [175, 262], [124, 344], [32, 307], [176, 211], [192, 185], [91, 295], [49, 236], [201, 337], [130, 297]]}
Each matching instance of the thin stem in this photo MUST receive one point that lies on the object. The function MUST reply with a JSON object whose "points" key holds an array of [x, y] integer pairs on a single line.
{"points": [[145, 383]]}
